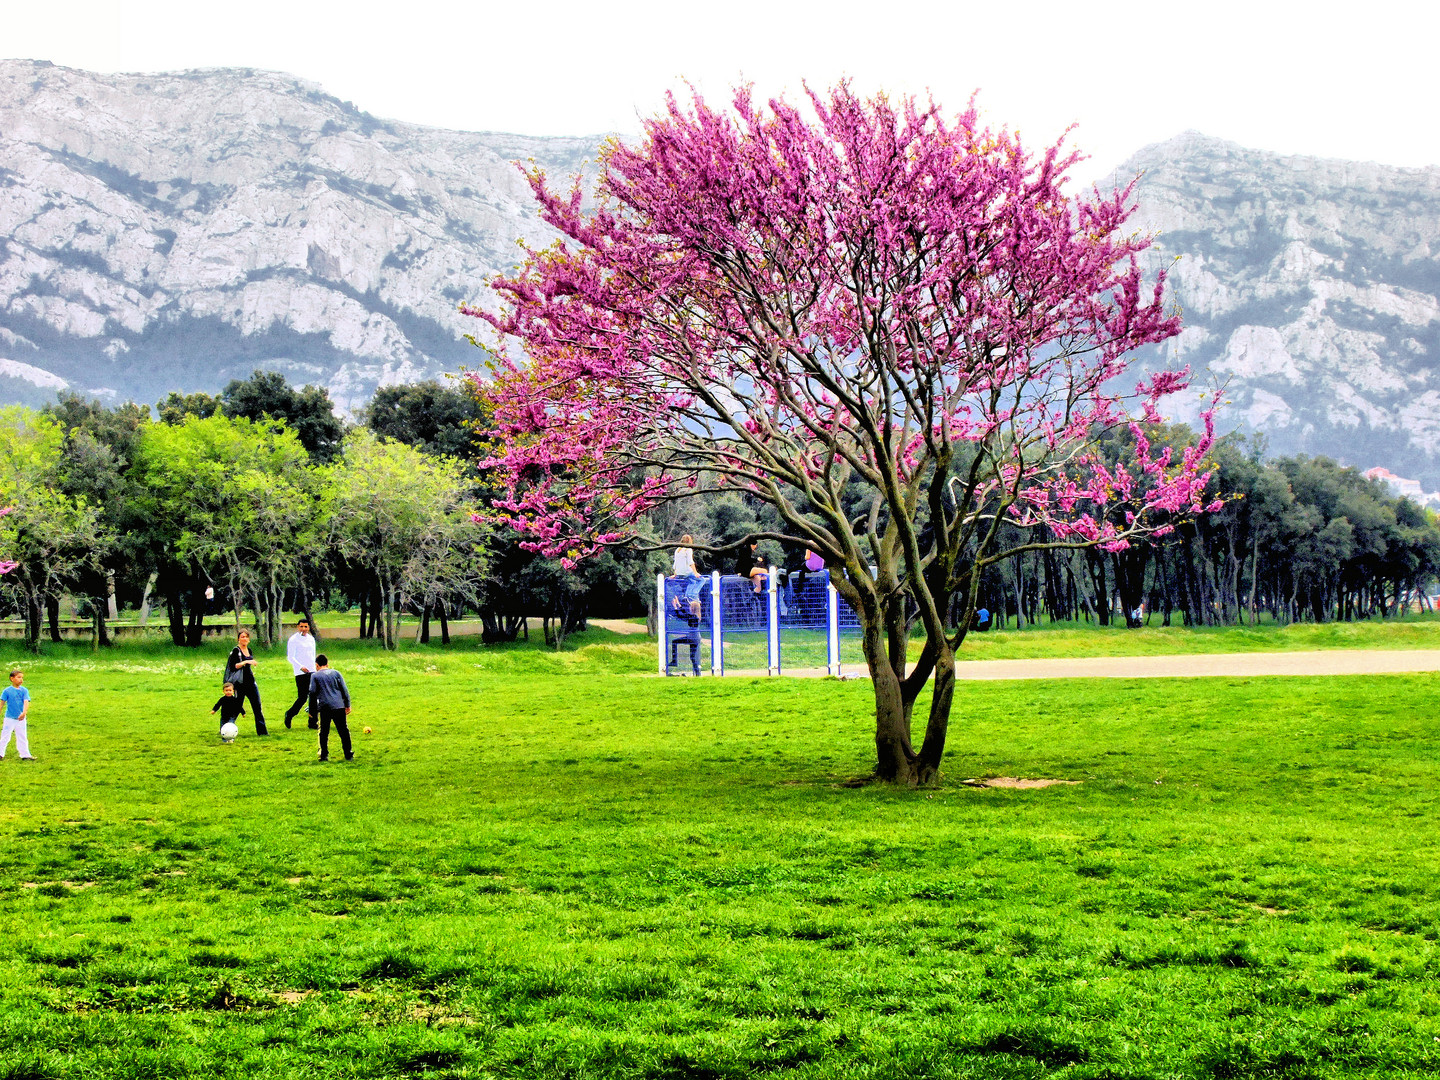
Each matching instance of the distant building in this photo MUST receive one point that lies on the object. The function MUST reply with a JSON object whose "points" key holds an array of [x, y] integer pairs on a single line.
{"points": [[1404, 487]]}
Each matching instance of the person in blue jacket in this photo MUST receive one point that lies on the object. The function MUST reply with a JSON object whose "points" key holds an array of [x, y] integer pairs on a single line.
{"points": [[330, 698], [687, 615]]}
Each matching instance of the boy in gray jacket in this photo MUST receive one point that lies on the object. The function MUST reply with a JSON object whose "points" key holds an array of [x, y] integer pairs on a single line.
{"points": [[330, 698]]}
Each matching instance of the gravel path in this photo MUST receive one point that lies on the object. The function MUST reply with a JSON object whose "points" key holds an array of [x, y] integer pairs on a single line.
{"points": [[1230, 665]]}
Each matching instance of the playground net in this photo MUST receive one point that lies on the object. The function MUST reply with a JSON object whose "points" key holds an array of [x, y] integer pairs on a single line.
{"points": [[722, 623]]}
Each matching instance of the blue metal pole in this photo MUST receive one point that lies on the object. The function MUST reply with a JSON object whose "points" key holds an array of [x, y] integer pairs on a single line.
{"points": [[832, 628], [662, 618], [717, 642]]}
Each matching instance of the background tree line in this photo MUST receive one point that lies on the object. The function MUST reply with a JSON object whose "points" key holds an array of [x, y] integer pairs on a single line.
{"points": [[260, 500], [1298, 539], [263, 497]]}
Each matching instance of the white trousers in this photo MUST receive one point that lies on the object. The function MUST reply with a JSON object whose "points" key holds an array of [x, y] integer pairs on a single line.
{"points": [[22, 741]]}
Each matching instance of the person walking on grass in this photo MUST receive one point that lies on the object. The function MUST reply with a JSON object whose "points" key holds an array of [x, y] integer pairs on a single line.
{"points": [[230, 707], [330, 698], [300, 651], [240, 670], [17, 710]]}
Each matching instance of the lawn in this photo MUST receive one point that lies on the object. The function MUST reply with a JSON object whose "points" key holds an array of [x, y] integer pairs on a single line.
{"points": [[548, 865], [1086, 639], [806, 648]]}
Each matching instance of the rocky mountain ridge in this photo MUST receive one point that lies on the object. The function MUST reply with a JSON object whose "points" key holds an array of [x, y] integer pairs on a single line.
{"points": [[1310, 288], [174, 231], [171, 232]]}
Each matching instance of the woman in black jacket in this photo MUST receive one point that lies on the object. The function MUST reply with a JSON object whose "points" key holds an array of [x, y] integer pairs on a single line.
{"points": [[240, 670], [753, 565]]}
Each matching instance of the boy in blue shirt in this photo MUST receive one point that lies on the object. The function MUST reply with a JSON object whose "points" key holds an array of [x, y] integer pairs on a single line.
{"points": [[330, 698], [17, 708]]}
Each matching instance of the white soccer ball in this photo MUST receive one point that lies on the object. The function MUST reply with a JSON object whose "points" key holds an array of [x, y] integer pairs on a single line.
{"points": [[228, 732]]}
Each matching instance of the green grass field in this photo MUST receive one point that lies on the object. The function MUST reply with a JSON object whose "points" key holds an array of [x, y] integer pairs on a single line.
{"points": [[806, 648], [547, 865]]}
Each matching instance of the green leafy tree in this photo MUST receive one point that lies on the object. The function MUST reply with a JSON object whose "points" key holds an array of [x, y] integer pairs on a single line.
{"points": [[177, 407], [98, 451], [429, 416], [404, 518], [237, 500], [308, 411], [52, 535]]}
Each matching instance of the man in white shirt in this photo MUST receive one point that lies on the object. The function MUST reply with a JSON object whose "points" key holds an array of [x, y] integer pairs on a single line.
{"points": [[300, 651]]}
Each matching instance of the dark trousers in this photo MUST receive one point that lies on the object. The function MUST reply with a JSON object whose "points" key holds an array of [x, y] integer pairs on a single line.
{"points": [[302, 695], [336, 717], [251, 693], [693, 640]]}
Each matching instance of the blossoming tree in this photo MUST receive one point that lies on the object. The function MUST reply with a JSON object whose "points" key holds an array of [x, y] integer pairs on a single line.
{"points": [[795, 304]]}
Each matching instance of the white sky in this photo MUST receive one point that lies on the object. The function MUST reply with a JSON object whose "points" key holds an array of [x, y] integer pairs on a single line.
{"points": [[1277, 76]]}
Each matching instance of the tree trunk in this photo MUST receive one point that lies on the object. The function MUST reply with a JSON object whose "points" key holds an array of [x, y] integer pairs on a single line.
{"points": [[145, 599], [52, 617], [175, 612], [195, 630], [895, 759], [100, 632], [276, 614], [390, 621], [1095, 561], [257, 602], [444, 622], [1254, 573], [1017, 586], [1130, 580], [938, 725], [34, 617], [425, 625], [305, 610]]}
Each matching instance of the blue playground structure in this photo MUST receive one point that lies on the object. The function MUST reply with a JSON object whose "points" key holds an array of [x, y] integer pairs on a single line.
{"points": [[700, 608]]}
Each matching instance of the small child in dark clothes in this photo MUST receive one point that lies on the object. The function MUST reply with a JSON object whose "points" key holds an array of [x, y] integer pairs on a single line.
{"points": [[690, 616], [229, 706]]}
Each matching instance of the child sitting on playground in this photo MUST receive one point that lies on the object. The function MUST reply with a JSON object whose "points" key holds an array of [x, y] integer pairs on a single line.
{"points": [[753, 565], [685, 569]]}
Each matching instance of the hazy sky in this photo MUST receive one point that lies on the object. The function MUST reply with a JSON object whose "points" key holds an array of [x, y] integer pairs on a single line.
{"points": [[1277, 76]]}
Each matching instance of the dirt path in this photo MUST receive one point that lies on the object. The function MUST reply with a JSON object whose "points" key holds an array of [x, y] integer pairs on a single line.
{"points": [[617, 626], [1230, 665]]}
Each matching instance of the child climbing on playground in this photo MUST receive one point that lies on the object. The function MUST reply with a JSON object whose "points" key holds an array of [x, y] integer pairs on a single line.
{"points": [[686, 612]]}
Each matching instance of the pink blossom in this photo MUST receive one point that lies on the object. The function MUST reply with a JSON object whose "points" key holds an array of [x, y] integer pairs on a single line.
{"points": [[773, 302]]}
